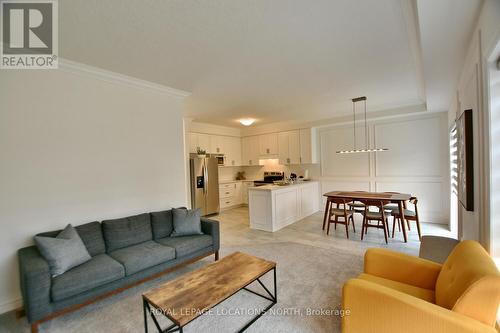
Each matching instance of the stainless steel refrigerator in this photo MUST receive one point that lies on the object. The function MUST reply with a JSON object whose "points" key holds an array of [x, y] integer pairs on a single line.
{"points": [[204, 184]]}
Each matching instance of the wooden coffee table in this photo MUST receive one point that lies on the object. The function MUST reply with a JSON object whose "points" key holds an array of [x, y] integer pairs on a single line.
{"points": [[189, 296]]}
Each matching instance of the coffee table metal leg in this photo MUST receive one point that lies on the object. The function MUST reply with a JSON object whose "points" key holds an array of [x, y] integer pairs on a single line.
{"points": [[275, 286], [273, 298], [147, 308], [144, 307]]}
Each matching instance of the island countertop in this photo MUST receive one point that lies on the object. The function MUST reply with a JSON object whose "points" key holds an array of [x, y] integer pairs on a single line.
{"points": [[272, 187]]}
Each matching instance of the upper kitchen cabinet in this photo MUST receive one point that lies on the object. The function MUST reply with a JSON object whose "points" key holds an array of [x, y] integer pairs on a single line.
{"points": [[250, 150], [193, 142], [218, 144], [199, 140], [268, 144], [289, 147], [232, 151], [308, 146]]}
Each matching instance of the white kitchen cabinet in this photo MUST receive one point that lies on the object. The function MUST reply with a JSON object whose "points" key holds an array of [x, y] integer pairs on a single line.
{"points": [[308, 146], [244, 190], [289, 147], [193, 142], [250, 150], [217, 144], [230, 194], [229, 146], [238, 192], [274, 207], [268, 144], [199, 140], [204, 142], [232, 151]]}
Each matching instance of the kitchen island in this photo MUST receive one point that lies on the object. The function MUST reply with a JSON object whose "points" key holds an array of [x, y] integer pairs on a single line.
{"points": [[272, 207]]}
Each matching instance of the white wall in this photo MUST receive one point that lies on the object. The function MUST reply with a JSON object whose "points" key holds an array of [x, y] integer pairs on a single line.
{"points": [[74, 148], [495, 160], [416, 163], [473, 91]]}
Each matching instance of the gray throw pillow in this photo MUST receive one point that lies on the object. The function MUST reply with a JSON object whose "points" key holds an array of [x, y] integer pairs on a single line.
{"points": [[186, 222], [64, 251]]}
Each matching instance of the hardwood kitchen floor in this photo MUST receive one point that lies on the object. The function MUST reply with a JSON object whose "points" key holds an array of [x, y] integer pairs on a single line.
{"points": [[235, 231]]}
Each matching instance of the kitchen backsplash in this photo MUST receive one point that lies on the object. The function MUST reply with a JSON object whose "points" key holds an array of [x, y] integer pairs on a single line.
{"points": [[257, 172]]}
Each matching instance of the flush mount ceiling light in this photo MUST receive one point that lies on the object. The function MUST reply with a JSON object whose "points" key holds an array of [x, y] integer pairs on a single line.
{"points": [[366, 149], [247, 121]]}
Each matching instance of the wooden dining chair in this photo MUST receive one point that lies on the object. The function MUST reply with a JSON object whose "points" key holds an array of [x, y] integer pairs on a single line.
{"points": [[338, 212], [357, 206], [394, 206], [381, 216], [410, 215]]}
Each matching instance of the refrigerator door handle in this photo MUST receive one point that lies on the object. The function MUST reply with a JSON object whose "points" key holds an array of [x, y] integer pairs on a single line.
{"points": [[205, 179]]}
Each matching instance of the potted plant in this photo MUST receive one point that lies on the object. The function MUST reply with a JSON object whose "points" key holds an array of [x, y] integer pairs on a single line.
{"points": [[201, 152]]}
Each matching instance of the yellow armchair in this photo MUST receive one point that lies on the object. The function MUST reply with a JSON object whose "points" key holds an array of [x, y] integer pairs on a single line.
{"points": [[402, 293]]}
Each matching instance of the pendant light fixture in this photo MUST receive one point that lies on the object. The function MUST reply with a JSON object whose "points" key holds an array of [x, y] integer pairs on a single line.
{"points": [[366, 149]]}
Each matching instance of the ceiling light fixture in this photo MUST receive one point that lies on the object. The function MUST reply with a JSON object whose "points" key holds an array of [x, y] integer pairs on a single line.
{"points": [[247, 121], [366, 149]]}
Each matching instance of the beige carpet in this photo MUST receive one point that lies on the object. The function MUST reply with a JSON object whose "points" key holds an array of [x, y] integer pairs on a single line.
{"points": [[309, 280]]}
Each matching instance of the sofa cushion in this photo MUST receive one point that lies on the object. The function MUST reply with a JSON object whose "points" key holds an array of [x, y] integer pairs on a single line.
{"points": [[162, 223], [64, 251], [127, 231], [91, 235], [141, 256], [99, 270], [187, 244], [425, 294], [186, 222]]}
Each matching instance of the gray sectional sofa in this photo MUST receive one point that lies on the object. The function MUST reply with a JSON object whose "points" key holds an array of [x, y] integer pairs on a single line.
{"points": [[125, 252]]}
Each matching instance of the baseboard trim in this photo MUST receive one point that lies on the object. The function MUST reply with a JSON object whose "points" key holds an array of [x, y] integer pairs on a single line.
{"points": [[11, 305]]}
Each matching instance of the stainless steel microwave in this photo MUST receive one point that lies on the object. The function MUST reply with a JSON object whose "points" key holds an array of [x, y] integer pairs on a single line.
{"points": [[220, 159]]}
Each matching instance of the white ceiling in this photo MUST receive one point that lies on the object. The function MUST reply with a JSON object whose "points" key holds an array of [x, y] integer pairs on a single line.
{"points": [[446, 30], [270, 59]]}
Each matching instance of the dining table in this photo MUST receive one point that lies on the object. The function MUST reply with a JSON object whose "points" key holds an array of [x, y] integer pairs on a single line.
{"points": [[396, 198]]}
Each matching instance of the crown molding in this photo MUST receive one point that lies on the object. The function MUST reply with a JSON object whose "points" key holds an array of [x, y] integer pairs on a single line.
{"points": [[410, 16], [117, 78]]}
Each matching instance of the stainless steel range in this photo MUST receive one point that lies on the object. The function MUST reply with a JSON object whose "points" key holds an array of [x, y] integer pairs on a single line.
{"points": [[269, 178]]}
